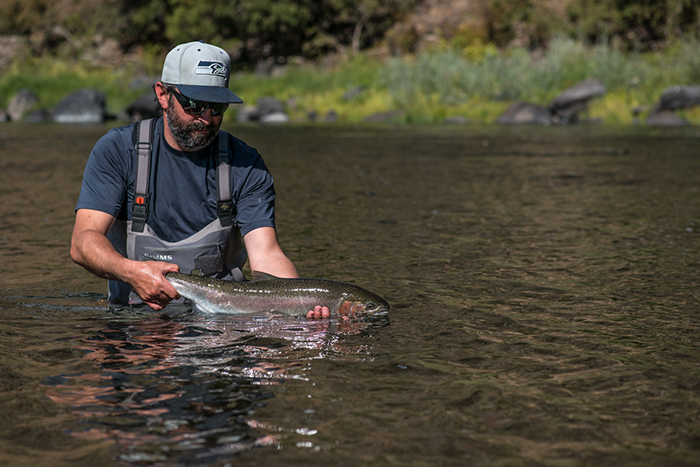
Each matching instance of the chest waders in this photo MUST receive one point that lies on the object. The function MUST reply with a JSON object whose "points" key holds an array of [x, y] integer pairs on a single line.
{"points": [[217, 250]]}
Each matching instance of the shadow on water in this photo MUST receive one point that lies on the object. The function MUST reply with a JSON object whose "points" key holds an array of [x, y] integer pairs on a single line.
{"points": [[543, 285]]}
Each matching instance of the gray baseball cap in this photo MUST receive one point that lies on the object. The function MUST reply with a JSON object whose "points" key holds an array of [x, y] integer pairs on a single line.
{"points": [[200, 71]]}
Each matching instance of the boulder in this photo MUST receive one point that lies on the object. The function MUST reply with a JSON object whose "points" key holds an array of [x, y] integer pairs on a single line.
{"points": [[566, 106], [665, 118], [269, 105], [331, 116], [21, 104], [145, 106], [38, 116], [525, 113], [275, 117], [84, 106], [266, 110], [678, 97]]}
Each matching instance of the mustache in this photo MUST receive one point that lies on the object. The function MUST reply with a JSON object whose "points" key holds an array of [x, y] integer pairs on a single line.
{"points": [[199, 126]]}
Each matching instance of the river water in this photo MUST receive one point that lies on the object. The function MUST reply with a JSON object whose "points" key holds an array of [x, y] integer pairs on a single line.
{"points": [[544, 292]]}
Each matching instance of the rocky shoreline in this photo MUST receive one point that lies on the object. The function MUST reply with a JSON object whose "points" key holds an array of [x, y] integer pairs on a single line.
{"points": [[88, 106]]}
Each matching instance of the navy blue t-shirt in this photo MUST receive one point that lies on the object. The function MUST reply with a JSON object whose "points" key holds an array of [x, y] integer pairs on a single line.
{"points": [[183, 184]]}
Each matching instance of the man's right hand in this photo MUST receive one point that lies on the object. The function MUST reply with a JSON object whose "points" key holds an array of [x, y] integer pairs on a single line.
{"points": [[91, 249], [149, 282]]}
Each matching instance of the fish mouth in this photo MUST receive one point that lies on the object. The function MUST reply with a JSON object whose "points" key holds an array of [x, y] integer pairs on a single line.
{"points": [[378, 313]]}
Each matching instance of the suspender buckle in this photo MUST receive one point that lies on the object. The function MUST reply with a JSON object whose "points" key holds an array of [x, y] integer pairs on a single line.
{"points": [[224, 209], [139, 212]]}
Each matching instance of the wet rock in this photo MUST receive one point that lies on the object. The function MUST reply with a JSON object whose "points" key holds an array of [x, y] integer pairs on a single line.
{"points": [[665, 118], [244, 113], [269, 105], [145, 106], [565, 108], [84, 106], [21, 103], [38, 116], [275, 117], [266, 110], [331, 116], [678, 97], [525, 113]]}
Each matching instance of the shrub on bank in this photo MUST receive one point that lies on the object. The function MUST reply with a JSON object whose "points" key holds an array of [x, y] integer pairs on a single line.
{"points": [[452, 79], [476, 84]]}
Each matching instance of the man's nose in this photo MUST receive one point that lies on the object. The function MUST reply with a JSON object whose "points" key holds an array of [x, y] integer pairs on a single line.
{"points": [[206, 116]]}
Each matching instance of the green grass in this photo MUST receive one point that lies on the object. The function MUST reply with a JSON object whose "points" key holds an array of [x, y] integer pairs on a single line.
{"points": [[58, 78], [478, 82], [453, 78]]}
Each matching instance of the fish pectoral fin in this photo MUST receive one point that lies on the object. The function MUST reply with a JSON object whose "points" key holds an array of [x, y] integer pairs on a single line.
{"points": [[261, 276]]}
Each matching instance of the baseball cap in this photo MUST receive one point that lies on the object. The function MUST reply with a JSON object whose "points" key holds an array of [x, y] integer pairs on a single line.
{"points": [[200, 71]]}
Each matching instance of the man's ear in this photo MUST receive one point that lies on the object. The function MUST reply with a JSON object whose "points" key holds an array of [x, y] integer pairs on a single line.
{"points": [[162, 95]]}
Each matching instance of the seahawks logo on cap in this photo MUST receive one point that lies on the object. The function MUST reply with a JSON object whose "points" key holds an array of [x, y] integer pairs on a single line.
{"points": [[211, 68]]}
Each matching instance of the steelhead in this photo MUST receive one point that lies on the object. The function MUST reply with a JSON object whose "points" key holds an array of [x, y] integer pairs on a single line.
{"points": [[268, 293]]}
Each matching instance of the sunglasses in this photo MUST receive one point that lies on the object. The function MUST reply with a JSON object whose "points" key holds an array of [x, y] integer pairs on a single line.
{"points": [[195, 107]]}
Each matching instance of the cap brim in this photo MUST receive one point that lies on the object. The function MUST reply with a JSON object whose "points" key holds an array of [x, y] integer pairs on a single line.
{"points": [[209, 94]]}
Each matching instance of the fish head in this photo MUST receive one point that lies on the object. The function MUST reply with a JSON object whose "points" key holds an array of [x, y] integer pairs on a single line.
{"points": [[363, 305]]}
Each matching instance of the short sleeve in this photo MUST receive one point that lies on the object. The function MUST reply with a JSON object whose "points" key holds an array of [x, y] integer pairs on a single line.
{"points": [[254, 191], [107, 173]]}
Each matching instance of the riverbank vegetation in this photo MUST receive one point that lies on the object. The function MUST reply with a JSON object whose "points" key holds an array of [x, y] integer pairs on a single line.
{"points": [[420, 61], [479, 83]]}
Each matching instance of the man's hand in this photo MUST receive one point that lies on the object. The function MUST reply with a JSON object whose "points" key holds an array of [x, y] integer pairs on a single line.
{"points": [[149, 282], [319, 312], [91, 249]]}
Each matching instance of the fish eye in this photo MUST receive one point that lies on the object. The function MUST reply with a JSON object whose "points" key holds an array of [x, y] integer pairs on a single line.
{"points": [[370, 306]]}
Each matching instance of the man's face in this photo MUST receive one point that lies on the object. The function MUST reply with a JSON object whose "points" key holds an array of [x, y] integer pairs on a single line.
{"points": [[192, 132]]}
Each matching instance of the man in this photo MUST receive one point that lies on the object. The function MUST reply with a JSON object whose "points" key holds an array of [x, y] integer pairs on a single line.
{"points": [[180, 194]]}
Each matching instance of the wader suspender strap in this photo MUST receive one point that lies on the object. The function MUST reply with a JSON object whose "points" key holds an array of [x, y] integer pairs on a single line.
{"points": [[139, 213], [224, 204]]}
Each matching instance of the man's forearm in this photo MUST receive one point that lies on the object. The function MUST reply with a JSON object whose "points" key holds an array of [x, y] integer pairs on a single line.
{"points": [[276, 264], [93, 251], [266, 255]]}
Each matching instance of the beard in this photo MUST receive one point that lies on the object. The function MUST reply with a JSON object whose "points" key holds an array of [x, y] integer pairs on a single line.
{"points": [[187, 135]]}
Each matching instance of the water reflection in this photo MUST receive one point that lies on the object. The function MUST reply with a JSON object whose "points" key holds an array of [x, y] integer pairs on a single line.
{"points": [[182, 387]]}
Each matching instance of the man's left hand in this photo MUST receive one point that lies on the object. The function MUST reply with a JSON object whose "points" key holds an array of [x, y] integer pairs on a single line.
{"points": [[319, 312]]}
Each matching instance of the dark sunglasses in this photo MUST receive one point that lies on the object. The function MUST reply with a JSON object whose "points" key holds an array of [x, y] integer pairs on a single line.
{"points": [[195, 107]]}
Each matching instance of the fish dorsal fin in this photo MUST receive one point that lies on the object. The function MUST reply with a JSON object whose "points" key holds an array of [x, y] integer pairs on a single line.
{"points": [[196, 272], [262, 276]]}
